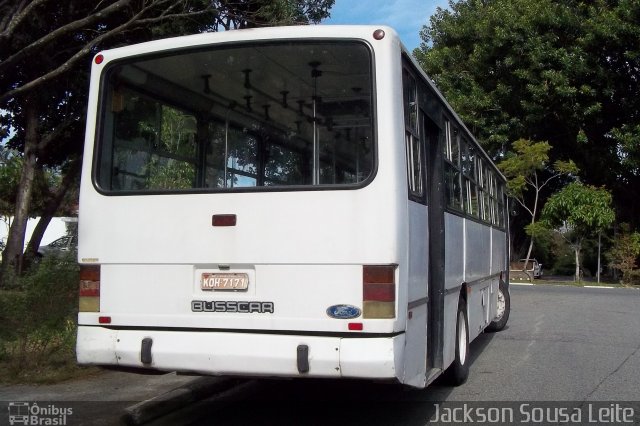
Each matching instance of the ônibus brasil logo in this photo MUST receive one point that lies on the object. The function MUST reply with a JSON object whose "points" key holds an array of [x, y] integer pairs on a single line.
{"points": [[27, 413]]}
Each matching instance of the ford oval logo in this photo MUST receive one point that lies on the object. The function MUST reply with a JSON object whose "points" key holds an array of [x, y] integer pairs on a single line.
{"points": [[343, 311]]}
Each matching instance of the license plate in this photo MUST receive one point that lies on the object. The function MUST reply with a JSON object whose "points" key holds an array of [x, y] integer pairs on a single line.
{"points": [[227, 281]]}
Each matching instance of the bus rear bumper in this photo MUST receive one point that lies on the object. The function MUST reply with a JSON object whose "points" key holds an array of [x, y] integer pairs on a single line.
{"points": [[246, 354]]}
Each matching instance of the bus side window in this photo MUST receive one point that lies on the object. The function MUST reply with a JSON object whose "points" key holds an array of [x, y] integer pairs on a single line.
{"points": [[452, 167], [469, 172], [501, 206], [413, 144]]}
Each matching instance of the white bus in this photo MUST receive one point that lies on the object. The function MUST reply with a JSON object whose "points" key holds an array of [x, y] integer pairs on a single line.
{"points": [[285, 202]]}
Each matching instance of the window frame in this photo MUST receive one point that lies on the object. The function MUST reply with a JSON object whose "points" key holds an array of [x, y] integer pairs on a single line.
{"points": [[416, 179], [102, 111]]}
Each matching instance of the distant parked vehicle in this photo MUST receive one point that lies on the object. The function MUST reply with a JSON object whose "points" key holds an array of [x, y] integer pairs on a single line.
{"points": [[66, 244], [533, 267]]}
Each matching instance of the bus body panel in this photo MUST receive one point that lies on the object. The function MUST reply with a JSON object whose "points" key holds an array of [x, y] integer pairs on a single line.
{"points": [[256, 354], [418, 248], [498, 251], [455, 243], [415, 361], [292, 227], [479, 268], [450, 311], [454, 250], [477, 248], [418, 271], [162, 296]]}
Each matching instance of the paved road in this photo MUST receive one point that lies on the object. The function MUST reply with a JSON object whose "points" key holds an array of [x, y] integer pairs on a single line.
{"points": [[562, 344], [95, 400]]}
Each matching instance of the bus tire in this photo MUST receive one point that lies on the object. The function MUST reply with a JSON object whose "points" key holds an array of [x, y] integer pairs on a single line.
{"points": [[503, 309], [458, 371]]}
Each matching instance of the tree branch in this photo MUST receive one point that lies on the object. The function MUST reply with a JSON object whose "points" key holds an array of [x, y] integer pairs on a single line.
{"points": [[61, 31], [521, 202], [52, 136], [172, 16], [52, 206], [549, 180], [15, 18], [86, 49], [563, 237]]}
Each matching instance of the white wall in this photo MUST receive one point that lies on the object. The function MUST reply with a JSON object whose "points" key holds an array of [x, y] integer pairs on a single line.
{"points": [[56, 229]]}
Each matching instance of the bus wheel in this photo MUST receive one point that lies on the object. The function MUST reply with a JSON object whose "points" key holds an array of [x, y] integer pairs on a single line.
{"points": [[459, 371], [503, 309]]}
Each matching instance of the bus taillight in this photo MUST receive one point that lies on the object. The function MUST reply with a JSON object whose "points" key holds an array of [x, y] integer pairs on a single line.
{"points": [[379, 291], [89, 300]]}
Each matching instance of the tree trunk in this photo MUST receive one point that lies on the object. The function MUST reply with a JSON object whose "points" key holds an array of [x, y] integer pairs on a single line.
{"points": [[576, 248], [12, 256], [50, 210], [526, 261], [599, 254]]}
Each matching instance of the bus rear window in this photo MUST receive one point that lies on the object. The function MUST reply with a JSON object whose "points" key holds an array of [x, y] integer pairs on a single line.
{"points": [[269, 115]]}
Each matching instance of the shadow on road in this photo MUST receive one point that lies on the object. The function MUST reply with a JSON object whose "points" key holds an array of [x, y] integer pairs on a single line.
{"points": [[326, 402]]}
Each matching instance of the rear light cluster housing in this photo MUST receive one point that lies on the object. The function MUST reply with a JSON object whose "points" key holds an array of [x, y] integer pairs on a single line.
{"points": [[89, 293], [379, 291]]}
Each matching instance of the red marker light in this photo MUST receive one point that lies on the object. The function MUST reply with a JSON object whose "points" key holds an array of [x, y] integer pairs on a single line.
{"points": [[378, 34], [223, 220], [355, 326], [104, 320], [99, 58]]}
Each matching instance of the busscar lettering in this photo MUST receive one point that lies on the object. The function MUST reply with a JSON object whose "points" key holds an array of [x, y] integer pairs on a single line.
{"points": [[232, 306]]}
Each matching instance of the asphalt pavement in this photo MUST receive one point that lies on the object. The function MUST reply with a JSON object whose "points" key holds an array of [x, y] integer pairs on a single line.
{"points": [[562, 343], [101, 399]]}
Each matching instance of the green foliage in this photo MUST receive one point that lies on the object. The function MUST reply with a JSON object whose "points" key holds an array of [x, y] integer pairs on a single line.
{"points": [[11, 162], [527, 161], [583, 209], [628, 138], [43, 96], [292, 12], [10, 167], [37, 321], [538, 231], [624, 254], [170, 174], [565, 72], [528, 172], [171, 168], [511, 60], [577, 212]]}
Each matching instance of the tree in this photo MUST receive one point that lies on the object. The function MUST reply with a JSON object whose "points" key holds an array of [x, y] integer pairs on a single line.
{"points": [[29, 28], [625, 252], [528, 169], [10, 166], [45, 49], [577, 212], [53, 202], [566, 72]]}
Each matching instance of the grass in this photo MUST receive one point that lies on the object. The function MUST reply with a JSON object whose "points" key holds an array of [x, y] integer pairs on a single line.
{"points": [[38, 314], [57, 368]]}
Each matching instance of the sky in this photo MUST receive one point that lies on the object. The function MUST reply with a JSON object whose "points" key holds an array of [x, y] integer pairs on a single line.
{"points": [[407, 17]]}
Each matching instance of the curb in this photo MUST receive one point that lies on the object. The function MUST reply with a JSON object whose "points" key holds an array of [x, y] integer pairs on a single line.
{"points": [[198, 389], [197, 412]]}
